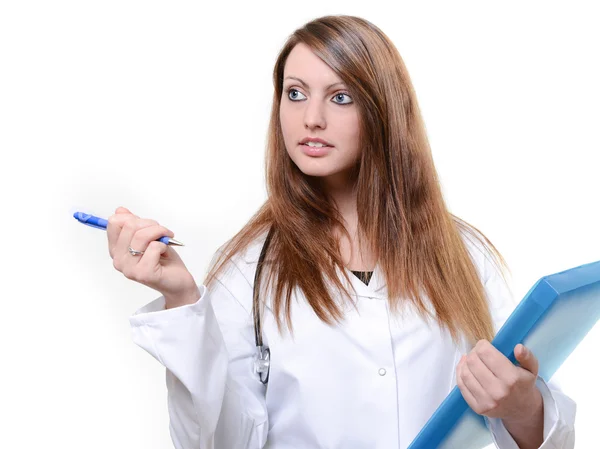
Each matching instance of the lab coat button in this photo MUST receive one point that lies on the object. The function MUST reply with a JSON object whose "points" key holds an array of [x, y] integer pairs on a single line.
{"points": [[382, 372]]}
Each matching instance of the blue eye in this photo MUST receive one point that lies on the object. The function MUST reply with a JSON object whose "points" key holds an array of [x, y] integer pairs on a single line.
{"points": [[293, 90], [342, 94]]}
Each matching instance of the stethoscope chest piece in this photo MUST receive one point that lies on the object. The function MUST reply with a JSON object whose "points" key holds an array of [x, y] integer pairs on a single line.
{"points": [[262, 363]]}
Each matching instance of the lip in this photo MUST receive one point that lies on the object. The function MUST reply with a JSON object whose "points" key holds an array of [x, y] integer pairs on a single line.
{"points": [[315, 152], [316, 140]]}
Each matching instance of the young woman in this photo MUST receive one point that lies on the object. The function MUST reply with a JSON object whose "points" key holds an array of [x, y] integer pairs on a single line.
{"points": [[365, 299]]}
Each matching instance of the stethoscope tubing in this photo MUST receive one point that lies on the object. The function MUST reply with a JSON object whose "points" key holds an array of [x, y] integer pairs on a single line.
{"points": [[263, 356]]}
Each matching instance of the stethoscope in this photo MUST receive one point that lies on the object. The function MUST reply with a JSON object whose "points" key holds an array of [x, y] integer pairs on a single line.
{"points": [[262, 359]]}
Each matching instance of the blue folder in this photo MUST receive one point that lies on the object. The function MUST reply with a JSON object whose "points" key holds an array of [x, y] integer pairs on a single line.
{"points": [[552, 319]]}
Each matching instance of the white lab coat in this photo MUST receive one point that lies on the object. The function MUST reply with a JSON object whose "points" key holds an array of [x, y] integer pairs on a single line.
{"points": [[371, 382]]}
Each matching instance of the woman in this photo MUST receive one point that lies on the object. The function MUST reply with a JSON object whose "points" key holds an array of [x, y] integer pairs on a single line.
{"points": [[373, 300]]}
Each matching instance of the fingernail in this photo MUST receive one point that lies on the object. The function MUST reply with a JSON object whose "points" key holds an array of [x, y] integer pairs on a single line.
{"points": [[523, 350]]}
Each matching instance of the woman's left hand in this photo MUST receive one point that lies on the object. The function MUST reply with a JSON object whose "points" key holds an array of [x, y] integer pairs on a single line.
{"points": [[493, 386]]}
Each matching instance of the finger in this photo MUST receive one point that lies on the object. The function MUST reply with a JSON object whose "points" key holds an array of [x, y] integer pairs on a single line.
{"points": [[131, 226], [144, 236], [123, 210], [464, 389], [496, 362], [114, 228], [526, 359], [481, 398], [151, 256], [482, 373]]}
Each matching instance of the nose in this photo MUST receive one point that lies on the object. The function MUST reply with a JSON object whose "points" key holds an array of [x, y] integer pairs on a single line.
{"points": [[314, 116]]}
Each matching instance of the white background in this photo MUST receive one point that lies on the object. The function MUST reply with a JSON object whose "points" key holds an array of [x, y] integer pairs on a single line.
{"points": [[163, 107]]}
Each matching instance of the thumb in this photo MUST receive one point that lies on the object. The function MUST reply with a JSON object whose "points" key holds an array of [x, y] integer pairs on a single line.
{"points": [[526, 359], [123, 210]]}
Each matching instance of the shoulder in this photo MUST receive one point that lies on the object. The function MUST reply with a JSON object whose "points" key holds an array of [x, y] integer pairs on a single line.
{"points": [[237, 274], [495, 283], [248, 257], [481, 255]]}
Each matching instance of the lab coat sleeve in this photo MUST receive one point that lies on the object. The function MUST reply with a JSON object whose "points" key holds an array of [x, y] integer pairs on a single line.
{"points": [[559, 409], [215, 400]]}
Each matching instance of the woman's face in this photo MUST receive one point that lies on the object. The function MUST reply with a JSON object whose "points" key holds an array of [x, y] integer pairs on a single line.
{"points": [[316, 104]]}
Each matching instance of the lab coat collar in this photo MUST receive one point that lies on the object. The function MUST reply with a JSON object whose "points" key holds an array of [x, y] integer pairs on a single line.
{"points": [[375, 290]]}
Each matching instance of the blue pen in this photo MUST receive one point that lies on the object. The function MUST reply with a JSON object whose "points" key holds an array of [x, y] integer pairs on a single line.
{"points": [[101, 223]]}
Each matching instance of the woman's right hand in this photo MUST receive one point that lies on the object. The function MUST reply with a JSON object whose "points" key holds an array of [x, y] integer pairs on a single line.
{"points": [[159, 268]]}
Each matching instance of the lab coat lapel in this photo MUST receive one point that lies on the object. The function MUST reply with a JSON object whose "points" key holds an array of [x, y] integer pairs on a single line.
{"points": [[376, 288]]}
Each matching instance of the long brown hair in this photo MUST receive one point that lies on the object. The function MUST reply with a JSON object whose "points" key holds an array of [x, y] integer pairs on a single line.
{"points": [[402, 216]]}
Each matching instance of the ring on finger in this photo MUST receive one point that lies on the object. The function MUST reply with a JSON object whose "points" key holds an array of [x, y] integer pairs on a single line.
{"points": [[133, 252]]}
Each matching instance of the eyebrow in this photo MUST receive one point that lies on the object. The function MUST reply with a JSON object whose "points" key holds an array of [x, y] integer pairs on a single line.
{"points": [[306, 85]]}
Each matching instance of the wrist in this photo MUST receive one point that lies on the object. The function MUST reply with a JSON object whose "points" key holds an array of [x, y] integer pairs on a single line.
{"points": [[531, 415], [527, 430], [182, 299]]}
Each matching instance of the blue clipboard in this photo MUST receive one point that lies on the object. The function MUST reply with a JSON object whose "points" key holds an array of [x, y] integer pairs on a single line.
{"points": [[552, 319]]}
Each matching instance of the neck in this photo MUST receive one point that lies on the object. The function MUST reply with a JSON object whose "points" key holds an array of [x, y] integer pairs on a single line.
{"points": [[342, 191]]}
